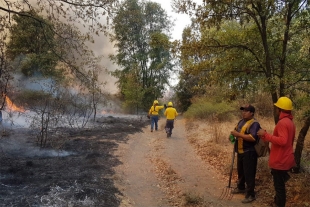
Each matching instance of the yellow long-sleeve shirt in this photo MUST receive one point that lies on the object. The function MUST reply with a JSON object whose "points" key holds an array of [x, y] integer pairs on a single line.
{"points": [[171, 113], [155, 109]]}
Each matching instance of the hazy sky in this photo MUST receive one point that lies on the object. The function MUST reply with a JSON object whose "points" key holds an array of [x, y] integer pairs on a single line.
{"points": [[181, 20]]}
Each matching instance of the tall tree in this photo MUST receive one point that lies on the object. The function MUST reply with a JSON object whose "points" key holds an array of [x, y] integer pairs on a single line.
{"points": [[279, 31], [143, 48]]}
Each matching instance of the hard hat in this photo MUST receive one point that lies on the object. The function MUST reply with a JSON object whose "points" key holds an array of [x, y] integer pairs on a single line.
{"points": [[170, 104], [155, 102], [284, 103]]}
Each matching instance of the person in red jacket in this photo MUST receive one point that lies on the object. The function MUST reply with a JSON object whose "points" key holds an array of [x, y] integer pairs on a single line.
{"points": [[281, 158]]}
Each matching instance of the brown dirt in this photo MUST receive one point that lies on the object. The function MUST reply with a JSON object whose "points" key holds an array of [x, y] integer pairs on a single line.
{"points": [[167, 172], [118, 162]]}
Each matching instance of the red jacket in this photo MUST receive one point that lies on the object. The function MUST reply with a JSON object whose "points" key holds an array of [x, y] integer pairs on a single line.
{"points": [[281, 152]]}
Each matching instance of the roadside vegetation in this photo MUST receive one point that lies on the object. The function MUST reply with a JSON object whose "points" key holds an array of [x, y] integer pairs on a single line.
{"points": [[209, 136]]}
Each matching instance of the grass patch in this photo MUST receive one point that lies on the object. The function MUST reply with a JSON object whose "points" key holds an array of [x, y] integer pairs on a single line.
{"points": [[192, 199], [204, 109]]}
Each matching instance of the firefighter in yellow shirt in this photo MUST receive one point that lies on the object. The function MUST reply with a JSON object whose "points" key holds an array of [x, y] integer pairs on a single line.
{"points": [[170, 114], [153, 113]]}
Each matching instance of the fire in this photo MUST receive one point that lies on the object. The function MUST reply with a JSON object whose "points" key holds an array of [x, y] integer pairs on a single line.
{"points": [[103, 112], [12, 106], [107, 112]]}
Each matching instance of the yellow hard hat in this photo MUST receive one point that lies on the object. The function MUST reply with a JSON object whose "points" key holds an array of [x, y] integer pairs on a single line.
{"points": [[155, 102], [170, 104], [284, 103]]}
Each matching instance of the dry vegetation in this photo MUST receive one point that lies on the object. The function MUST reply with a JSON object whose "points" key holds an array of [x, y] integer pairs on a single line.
{"points": [[210, 141]]}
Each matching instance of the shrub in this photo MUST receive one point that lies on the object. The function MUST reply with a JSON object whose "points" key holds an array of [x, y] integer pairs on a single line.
{"points": [[204, 109]]}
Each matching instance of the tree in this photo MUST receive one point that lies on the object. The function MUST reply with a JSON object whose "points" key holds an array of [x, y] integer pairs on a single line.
{"points": [[88, 13], [133, 92], [143, 48], [57, 19], [59, 46], [32, 41], [270, 39]]}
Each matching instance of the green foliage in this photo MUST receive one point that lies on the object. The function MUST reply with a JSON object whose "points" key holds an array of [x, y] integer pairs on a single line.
{"points": [[143, 49], [33, 40], [247, 47], [204, 109], [133, 92]]}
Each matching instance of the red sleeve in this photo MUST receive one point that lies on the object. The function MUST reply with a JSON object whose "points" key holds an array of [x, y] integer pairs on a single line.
{"points": [[280, 134]]}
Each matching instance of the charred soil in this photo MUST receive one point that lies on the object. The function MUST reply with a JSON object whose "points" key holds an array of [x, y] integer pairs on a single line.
{"points": [[79, 173]]}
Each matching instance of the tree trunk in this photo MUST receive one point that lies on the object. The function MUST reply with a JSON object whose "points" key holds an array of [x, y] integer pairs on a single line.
{"points": [[274, 97], [300, 144]]}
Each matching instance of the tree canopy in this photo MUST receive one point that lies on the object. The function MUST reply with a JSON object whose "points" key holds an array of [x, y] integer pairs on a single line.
{"points": [[141, 36], [249, 47]]}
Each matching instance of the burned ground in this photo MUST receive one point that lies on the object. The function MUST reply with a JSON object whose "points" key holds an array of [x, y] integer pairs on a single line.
{"points": [[79, 173]]}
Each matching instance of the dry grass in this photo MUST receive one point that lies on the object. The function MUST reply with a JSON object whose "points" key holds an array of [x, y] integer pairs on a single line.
{"points": [[211, 143], [168, 181]]}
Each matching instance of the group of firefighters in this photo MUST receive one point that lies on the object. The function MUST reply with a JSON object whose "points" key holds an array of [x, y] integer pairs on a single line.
{"points": [[170, 113]]}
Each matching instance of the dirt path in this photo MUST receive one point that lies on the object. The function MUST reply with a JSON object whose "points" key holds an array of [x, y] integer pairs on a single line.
{"points": [[160, 171]]}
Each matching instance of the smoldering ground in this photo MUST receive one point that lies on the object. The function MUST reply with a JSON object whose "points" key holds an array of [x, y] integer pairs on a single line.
{"points": [[78, 173]]}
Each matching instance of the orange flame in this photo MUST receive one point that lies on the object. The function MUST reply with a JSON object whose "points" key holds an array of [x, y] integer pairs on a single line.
{"points": [[107, 112], [103, 112], [12, 106]]}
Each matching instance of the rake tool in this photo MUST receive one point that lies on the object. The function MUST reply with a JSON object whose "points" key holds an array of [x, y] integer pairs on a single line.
{"points": [[226, 193]]}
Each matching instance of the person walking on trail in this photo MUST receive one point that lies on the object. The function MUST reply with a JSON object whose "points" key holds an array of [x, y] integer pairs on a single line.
{"points": [[246, 137], [170, 113], [281, 158], [153, 113]]}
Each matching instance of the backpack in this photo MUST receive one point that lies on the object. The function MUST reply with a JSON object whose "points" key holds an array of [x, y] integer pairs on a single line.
{"points": [[261, 147]]}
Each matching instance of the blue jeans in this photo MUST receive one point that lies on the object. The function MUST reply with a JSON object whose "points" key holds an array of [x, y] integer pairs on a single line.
{"points": [[154, 121]]}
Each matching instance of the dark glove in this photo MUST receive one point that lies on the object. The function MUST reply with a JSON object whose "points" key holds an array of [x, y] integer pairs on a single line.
{"points": [[165, 106], [148, 116]]}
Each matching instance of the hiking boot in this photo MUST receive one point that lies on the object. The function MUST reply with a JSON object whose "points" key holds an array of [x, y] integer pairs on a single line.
{"points": [[151, 130], [249, 199], [238, 191]]}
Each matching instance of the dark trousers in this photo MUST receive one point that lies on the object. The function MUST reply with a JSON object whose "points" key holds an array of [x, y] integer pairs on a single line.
{"points": [[246, 167], [169, 125], [280, 177]]}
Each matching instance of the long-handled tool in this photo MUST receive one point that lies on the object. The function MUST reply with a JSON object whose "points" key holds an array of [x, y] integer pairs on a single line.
{"points": [[226, 193]]}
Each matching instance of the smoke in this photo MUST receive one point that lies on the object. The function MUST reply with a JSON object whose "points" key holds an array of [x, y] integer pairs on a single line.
{"points": [[101, 47], [20, 147]]}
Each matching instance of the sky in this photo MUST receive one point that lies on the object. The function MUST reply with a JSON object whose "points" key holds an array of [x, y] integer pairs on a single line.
{"points": [[181, 20]]}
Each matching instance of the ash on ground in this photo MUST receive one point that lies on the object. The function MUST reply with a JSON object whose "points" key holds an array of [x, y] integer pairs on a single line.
{"points": [[75, 169]]}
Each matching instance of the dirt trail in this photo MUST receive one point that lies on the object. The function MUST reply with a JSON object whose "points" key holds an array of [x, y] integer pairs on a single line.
{"points": [[160, 171]]}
